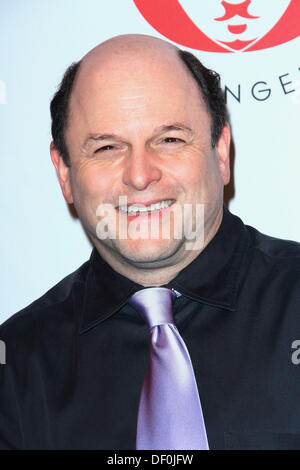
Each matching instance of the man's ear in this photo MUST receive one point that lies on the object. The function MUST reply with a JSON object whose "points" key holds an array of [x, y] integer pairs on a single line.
{"points": [[63, 173], [223, 153]]}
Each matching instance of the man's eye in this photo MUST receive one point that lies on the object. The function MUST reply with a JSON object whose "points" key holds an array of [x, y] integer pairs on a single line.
{"points": [[170, 140], [104, 148]]}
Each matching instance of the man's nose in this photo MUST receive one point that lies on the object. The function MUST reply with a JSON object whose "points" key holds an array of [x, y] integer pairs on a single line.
{"points": [[141, 170]]}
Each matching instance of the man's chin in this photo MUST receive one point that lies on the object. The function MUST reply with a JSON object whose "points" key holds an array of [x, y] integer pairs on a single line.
{"points": [[148, 251]]}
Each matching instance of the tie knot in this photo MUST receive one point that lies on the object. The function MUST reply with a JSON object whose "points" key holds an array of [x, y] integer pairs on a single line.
{"points": [[154, 304]]}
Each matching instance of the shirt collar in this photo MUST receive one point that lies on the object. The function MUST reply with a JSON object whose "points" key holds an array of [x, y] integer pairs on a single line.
{"points": [[212, 278]]}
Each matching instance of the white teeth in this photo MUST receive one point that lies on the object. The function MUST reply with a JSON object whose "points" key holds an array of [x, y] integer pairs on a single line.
{"points": [[132, 210]]}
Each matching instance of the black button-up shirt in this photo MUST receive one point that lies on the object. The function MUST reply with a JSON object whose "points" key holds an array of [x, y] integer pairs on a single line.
{"points": [[76, 357]]}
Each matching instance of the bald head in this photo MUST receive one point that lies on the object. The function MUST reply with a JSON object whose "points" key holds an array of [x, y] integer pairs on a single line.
{"points": [[140, 58], [134, 57], [123, 75], [135, 44]]}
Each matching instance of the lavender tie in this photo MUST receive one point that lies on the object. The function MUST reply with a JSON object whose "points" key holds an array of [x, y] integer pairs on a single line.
{"points": [[170, 415]]}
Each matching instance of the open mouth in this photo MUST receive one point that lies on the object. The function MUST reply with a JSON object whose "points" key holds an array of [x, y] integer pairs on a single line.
{"points": [[137, 210]]}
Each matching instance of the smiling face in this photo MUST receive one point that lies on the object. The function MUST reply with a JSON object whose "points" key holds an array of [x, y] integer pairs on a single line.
{"points": [[139, 129]]}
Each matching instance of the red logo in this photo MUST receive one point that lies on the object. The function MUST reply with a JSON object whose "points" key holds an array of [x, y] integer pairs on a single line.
{"points": [[224, 26]]}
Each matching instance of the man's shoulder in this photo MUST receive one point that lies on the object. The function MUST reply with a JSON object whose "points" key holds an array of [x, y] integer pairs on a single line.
{"points": [[49, 303], [276, 261], [278, 249]]}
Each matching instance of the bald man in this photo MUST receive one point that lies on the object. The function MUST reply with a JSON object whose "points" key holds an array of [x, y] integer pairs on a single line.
{"points": [[141, 148]]}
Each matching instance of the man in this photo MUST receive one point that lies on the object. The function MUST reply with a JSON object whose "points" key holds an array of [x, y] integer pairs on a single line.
{"points": [[140, 135]]}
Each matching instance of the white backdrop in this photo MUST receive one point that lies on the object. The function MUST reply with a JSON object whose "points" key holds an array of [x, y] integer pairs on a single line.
{"points": [[40, 241]]}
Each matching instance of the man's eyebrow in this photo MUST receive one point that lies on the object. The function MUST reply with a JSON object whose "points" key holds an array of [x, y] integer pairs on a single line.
{"points": [[176, 126], [97, 138]]}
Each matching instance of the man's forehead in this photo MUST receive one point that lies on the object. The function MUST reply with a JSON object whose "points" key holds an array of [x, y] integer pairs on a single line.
{"points": [[132, 79], [127, 55]]}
